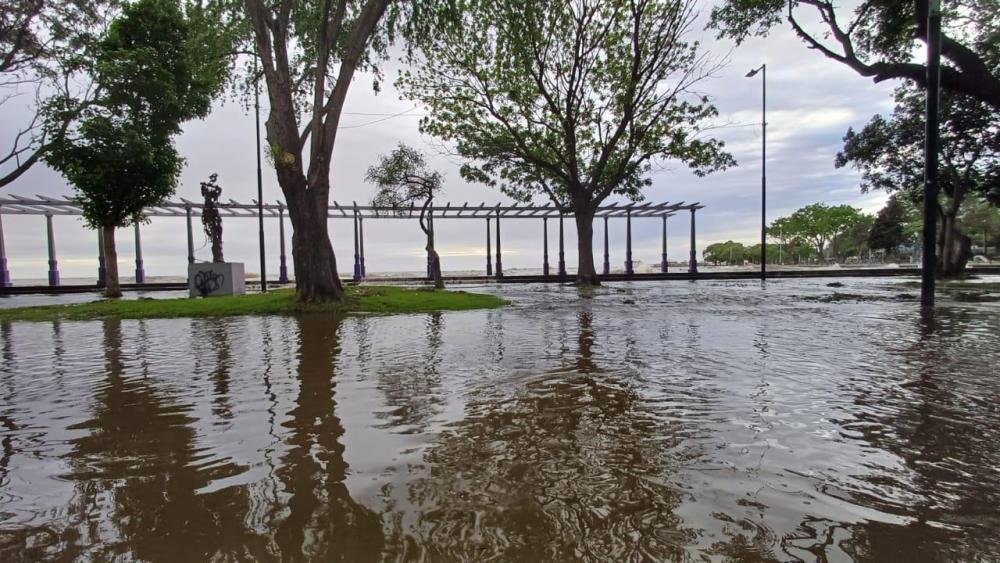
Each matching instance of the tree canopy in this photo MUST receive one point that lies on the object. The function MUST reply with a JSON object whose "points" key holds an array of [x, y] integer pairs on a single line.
{"points": [[41, 42], [875, 38], [728, 252], [50, 51], [120, 156], [982, 220], [889, 152], [889, 231], [817, 224], [571, 100], [403, 179]]}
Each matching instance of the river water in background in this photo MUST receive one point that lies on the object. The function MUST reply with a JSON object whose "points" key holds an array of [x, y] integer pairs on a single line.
{"points": [[645, 421]]}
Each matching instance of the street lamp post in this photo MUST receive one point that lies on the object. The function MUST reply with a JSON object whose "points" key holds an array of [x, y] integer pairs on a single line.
{"points": [[260, 183], [762, 69], [931, 140]]}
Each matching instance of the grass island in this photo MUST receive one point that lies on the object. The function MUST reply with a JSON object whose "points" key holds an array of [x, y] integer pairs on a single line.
{"points": [[361, 299]]}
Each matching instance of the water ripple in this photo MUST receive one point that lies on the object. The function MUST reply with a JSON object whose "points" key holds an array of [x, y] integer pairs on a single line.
{"points": [[650, 421]]}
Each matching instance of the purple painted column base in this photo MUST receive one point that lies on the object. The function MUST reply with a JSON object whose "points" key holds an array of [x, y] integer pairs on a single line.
{"points": [[4, 274], [283, 271], [664, 264], [53, 273], [140, 272]]}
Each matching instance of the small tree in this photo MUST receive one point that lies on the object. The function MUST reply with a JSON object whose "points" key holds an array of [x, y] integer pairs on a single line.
{"points": [[853, 240], [116, 170], [888, 231], [983, 220], [729, 252], [774, 252], [120, 157], [817, 224], [571, 100], [403, 179]]}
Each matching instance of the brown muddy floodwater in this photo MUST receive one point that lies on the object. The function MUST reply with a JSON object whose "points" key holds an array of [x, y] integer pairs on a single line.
{"points": [[652, 421]]}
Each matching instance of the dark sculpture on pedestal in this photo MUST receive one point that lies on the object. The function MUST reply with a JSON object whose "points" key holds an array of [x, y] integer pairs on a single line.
{"points": [[210, 218]]}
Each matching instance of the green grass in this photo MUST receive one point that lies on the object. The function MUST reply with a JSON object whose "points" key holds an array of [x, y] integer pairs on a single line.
{"points": [[361, 299]]}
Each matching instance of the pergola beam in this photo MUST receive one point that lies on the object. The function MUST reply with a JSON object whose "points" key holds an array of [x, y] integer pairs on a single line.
{"points": [[42, 205]]}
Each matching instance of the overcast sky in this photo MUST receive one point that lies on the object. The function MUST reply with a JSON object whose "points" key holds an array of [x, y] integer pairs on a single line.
{"points": [[811, 103]]}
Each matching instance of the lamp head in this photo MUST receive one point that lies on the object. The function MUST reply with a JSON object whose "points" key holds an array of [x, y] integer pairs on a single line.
{"points": [[753, 73]]}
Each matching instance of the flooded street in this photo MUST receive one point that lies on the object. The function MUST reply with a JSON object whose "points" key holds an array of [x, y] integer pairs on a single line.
{"points": [[645, 421]]}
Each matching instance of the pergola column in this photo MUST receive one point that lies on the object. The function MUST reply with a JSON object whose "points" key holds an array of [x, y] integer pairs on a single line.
{"points": [[628, 243], [4, 274], [693, 261], [607, 254], [53, 264], [283, 265], [190, 236], [430, 227], [663, 257], [545, 246], [562, 249], [361, 244], [102, 261], [489, 250], [499, 263], [357, 251], [140, 272]]}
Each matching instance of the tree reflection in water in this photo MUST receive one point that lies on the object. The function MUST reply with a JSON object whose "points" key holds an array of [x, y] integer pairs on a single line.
{"points": [[138, 474], [323, 522], [412, 385], [568, 468], [587, 431], [938, 426]]}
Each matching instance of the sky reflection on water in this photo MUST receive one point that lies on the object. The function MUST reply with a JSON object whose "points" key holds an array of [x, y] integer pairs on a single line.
{"points": [[640, 422]]}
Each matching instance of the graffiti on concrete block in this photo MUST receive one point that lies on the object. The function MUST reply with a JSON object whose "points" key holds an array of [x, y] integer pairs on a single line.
{"points": [[207, 281]]}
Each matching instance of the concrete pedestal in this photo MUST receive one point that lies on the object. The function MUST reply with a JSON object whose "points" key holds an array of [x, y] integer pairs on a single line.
{"points": [[213, 279]]}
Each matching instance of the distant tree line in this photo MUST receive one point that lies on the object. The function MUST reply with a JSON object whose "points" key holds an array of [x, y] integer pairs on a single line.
{"points": [[841, 233]]}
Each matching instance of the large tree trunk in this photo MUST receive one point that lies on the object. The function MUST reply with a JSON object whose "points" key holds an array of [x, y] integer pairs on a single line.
{"points": [[113, 286], [586, 273], [316, 277], [955, 247]]}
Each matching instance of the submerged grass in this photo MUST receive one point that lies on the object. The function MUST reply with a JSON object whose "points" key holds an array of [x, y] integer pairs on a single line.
{"points": [[361, 299], [965, 290], [959, 285]]}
